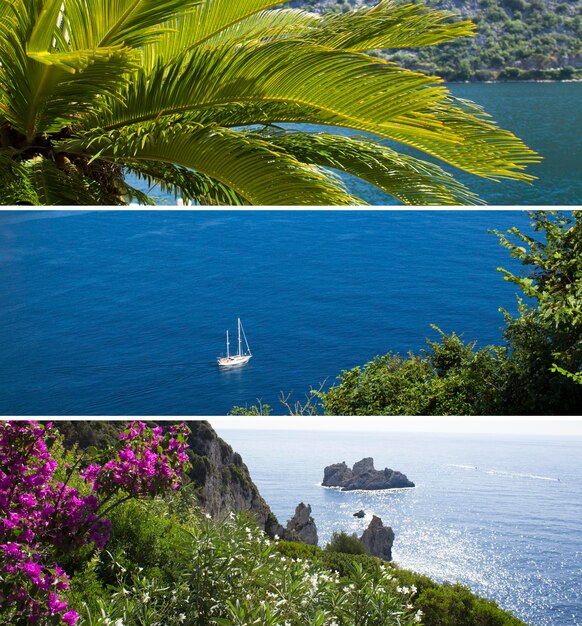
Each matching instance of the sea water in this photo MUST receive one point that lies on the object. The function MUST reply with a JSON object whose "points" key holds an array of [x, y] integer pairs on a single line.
{"points": [[502, 514], [546, 116], [124, 313]]}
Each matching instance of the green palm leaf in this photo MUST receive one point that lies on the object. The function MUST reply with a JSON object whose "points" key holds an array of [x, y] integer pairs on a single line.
{"points": [[388, 26], [186, 184], [172, 90], [281, 71], [256, 170], [410, 180]]}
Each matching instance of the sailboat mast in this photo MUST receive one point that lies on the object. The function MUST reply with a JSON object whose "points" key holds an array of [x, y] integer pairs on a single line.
{"points": [[239, 339], [227, 344]]}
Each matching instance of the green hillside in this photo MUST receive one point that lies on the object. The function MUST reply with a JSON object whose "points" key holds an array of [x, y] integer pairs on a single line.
{"points": [[516, 40]]}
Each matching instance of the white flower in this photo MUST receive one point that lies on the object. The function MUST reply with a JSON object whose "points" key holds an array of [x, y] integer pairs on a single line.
{"points": [[207, 516], [181, 617], [413, 589], [118, 622], [276, 537], [145, 598], [417, 616]]}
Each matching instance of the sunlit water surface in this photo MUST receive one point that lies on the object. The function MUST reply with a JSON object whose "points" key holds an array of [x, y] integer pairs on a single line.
{"points": [[501, 514]]}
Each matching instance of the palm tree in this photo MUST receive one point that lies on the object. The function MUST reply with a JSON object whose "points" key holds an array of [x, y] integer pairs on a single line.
{"points": [[194, 95]]}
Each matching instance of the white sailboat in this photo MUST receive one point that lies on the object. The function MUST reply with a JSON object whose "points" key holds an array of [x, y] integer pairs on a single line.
{"points": [[240, 358]]}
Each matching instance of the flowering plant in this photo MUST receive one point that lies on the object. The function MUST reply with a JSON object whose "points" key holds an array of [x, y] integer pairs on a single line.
{"points": [[41, 515]]}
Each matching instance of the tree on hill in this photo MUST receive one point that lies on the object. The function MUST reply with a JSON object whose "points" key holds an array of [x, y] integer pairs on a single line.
{"points": [[190, 95]]}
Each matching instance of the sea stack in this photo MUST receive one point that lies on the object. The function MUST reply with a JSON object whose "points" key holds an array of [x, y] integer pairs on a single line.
{"points": [[302, 526], [363, 476], [378, 539]]}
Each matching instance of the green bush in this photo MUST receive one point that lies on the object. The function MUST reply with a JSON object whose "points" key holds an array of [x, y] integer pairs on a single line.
{"points": [[347, 544], [204, 572], [535, 372]]}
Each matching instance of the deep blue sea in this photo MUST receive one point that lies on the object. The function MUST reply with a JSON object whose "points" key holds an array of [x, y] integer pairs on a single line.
{"points": [[546, 116], [125, 312], [502, 514]]}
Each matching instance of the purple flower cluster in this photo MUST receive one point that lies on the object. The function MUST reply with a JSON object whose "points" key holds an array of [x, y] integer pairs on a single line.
{"points": [[39, 514], [32, 587], [146, 463]]}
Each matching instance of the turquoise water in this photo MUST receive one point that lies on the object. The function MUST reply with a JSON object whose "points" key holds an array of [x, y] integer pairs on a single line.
{"points": [[547, 116], [124, 312], [500, 514]]}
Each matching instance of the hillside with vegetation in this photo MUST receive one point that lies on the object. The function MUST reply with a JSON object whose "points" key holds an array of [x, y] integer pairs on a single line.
{"points": [[115, 536], [515, 40]]}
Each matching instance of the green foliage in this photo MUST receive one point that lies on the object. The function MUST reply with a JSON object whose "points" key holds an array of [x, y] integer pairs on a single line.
{"points": [[347, 544], [449, 378], [546, 338], [190, 94], [255, 409], [204, 572], [450, 605], [537, 370], [441, 605]]}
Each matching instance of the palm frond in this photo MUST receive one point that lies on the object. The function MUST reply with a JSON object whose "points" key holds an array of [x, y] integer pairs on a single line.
{"points": [[40, 182], [186, 184], [15, 185], [266, 25], [383, 100], [45, 96], [407, 179], [388, 25], [481, 148], [257, 171], [85, 25], [209, 19], [280, 71]]}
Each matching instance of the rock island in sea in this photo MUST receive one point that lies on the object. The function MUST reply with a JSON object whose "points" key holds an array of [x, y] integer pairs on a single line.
{"points": [[363, 476]]}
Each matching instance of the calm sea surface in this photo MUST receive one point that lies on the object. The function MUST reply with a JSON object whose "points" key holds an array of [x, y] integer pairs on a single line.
{"points": [[501, 514], [547, 116], [124, 313]]}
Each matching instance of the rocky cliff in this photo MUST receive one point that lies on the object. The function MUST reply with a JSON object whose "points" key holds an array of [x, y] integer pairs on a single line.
{"points": [[219, 479], [363, 476], [223, 480]]}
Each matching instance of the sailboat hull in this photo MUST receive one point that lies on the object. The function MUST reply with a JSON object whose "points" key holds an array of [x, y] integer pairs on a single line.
{"points": [[233, 361]]}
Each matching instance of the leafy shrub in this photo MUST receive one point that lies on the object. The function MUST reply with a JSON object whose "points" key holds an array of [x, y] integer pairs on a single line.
{"points": [[226, 573], [535, 371], [348, 544]]}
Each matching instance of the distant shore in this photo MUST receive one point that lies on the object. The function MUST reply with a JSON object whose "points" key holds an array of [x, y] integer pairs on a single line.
{"points": [[502, 82]]}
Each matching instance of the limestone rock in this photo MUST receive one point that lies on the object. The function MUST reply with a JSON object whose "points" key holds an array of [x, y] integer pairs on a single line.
{"points": [[223, 480], [363, 476], [302, 526], [336, 475], [364, 466], [378, 539]]}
